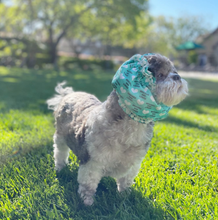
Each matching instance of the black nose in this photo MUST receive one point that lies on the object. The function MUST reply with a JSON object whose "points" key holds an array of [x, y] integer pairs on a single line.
{"points": [[176, 77]]}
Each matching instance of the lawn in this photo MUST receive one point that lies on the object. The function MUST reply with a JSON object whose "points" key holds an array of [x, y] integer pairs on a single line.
{"points": [[178, 177]]}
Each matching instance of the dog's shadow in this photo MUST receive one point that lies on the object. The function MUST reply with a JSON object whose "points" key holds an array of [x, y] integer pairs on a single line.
{"points": [[109, 203]]}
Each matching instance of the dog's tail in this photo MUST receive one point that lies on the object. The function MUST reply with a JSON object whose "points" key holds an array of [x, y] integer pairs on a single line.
{"points": [[53, 102]]}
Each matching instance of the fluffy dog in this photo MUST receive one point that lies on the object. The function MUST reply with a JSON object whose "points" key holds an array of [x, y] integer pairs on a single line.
{"points": [[104, 138]]}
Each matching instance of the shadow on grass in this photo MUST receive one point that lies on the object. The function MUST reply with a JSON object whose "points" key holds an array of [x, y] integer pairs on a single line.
{"points": [[109, 203], [23, 88], [29, 89], [185, 123]]}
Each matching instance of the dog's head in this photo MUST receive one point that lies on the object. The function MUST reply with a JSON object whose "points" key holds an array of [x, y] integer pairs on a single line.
{"points": [[171, 89]]}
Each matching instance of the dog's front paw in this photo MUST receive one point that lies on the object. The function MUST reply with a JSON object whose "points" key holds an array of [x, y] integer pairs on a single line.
{"points": [[59, 167], [88, 201], [86, 194]]}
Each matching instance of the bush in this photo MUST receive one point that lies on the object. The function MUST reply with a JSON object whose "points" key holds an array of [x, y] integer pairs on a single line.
{"points": [[85, 64], [42, 59]]}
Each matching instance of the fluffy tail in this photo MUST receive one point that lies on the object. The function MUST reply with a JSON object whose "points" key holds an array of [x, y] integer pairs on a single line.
{"points": [[53, 102]]}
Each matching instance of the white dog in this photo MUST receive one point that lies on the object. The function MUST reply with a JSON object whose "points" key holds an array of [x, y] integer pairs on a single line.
{"points": [[104, 138]]}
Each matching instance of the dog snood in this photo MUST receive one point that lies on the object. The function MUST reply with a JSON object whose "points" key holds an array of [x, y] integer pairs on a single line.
{"points": [[135, 86]]}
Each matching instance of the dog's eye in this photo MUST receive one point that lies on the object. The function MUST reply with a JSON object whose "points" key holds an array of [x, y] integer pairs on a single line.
{"points": [[152, 71], [160, 75]]}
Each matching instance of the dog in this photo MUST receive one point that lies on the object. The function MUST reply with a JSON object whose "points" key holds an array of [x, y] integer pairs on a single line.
{"points": [[105, 139]]}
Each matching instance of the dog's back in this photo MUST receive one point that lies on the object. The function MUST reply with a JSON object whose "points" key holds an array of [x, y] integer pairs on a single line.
{"points": [[71, 111]]}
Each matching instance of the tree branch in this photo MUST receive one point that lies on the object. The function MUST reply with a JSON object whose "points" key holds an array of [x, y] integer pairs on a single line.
{"points": [[72, 20]]}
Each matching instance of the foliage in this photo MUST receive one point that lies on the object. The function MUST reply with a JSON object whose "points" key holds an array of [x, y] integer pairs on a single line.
{"points": [[112, 28], [166, 33], [10, 19], [125, 23], [21, 52], [55, 19], [178, 177], [18, 47], [182, 29]]}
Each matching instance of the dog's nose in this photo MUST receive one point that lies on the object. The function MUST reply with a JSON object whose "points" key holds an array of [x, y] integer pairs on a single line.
{"points": [[176, 77]]}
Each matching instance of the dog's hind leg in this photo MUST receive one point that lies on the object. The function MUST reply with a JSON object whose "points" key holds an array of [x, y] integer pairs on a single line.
{"points": [[89, 175], [61, 152]]}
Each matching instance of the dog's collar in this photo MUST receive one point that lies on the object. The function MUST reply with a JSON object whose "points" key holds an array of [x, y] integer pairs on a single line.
{"points": [[135, 86]]}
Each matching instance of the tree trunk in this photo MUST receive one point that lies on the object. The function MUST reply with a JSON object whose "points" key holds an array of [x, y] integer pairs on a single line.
{"points": [[52, 47], [52, 50], [108, 60]]}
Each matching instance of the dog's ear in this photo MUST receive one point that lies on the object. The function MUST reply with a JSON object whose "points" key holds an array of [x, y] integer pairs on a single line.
{"points": [[153, 61], [158, 62]]}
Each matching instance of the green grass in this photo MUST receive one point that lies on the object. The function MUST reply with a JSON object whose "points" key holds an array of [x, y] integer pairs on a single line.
{"points": [[178, 178]]}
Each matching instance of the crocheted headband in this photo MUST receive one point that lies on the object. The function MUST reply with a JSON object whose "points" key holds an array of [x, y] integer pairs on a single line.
{"points": [[135, 86]]}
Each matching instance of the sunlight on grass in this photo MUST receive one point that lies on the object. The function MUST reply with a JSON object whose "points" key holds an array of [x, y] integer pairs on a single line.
{"points": [[21, 131], [9, 79], [200, 120], [3, 71], [209, 110], [184, 165]]}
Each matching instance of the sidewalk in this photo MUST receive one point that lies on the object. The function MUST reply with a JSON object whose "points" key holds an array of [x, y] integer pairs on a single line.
{"points": [[202, 75]]}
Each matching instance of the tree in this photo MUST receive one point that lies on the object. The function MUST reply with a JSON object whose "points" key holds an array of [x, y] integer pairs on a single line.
{"points": [[165, 33], [114, 30], [11, 42], [56, 18]]}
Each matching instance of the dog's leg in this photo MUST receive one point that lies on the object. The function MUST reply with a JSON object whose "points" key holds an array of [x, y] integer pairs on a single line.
{"points": [[89, 175], [126, 181], [61, 152]]}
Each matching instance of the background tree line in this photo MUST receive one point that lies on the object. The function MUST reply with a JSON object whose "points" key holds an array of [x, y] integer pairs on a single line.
{"points": [[31, 30]]}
